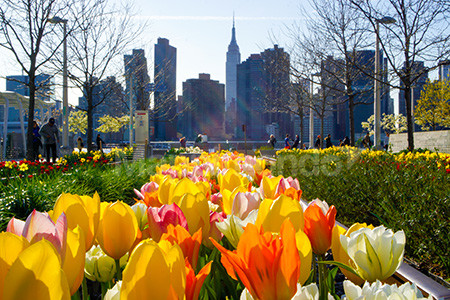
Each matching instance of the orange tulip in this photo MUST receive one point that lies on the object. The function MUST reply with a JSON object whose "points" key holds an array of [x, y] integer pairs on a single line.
{"points": [[319, 224], [194, 282], [267, 264], [190, 245]]}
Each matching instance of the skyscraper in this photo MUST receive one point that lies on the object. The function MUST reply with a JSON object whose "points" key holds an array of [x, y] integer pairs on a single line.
{"points": [[418, 67], [165, 105], [137, 79], [205, 102], [233, 59]]}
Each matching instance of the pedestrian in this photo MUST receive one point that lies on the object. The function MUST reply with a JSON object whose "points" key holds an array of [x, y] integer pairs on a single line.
{"points": [[37, 143], [80, 144], [50, 134], [328, 142], [100, 143], [287, 145], [296, 142], [183, 142], [317, 143], [367, 143], [272, 141], [346, 141]]}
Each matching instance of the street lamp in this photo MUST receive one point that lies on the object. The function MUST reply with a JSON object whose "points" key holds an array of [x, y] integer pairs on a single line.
{"points": [[58, 20], [377, 102], [311, 112]]}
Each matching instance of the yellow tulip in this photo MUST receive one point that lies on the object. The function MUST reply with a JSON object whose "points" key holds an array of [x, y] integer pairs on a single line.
{"points": [[118, 229], [165, 188], [182, 187], [73, 265], [80, 210], [306, 254], [339, 253], [196, 210], [148, 272], [231, 179], [36, 274], [11, 245], [228, 197], [269, 186], [175, 260], [272, 213]]}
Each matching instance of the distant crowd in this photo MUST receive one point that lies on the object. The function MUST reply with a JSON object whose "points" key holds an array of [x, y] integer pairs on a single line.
{"points": [[295, 143]]}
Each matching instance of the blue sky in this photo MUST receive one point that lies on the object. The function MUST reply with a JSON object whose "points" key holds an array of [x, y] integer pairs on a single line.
{"points": [[201, 30]]}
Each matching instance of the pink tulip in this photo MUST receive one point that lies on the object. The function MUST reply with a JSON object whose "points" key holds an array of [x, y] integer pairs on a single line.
{"points": [[146, 188], [286, 183], [160, 218], [251, 160], [214, 232], [244, 203], [40, 226], [171, 172], [216, 198]]}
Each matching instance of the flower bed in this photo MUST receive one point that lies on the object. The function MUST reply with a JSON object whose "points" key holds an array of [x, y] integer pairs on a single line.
{"points": [[11, 170], [207, 228], [408, 191]]}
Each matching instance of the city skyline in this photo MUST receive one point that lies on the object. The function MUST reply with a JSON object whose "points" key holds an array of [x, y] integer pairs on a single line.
{"points": [[201, 33]]}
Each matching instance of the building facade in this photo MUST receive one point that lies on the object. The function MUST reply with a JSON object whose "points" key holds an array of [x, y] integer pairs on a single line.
{"points": [[137, 79], [420, 71], [203, 105], [165, 104]]}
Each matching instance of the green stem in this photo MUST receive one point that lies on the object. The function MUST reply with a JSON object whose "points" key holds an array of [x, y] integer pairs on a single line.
{"points": [[104, 288], [76, 296], [84, 289], [323, 288], [118, 270]]}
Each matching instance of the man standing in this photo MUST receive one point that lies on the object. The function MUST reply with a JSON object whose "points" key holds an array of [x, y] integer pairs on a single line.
{"points": [[50, 134]]}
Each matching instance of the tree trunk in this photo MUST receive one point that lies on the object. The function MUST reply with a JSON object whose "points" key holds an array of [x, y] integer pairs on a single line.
{"points": [[32, 89], [322, 117], [300, 114], [351, 109], [90, 118], [409, 121]]}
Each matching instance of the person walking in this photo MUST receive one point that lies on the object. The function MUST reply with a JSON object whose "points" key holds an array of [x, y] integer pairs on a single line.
{"points": [[287, 145], [346, 141], [272, 141], [328, 143], [317, 143], [50, 134], [100, 143], [296, 142], [37, 143], [367, 143]]}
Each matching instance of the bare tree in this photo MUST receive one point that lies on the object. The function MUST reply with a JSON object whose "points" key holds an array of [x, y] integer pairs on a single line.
{"points": [[102, 34], [421, 33], [341, 32], [25, 31]]}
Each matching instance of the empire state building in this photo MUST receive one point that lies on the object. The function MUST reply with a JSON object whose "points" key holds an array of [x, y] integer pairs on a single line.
{"points": [[233, 59]]}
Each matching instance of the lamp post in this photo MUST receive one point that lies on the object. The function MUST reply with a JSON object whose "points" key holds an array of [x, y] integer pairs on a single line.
{"points": [[311, 112], [377, 101], [58, 20]]}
